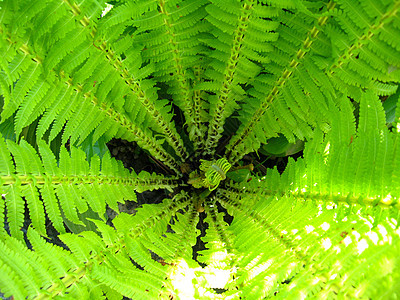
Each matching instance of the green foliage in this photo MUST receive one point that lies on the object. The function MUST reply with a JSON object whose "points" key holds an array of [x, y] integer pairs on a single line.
{"points": [[169, 75], [281, 147]]}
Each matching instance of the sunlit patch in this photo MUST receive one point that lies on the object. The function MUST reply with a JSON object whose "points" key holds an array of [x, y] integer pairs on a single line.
{"points": [[333, 276], [291, 286], [326, 243], [260, 268], [106, 10], [294, 231], [373, 237], [386, 265], [397, 231], [362, 245], [382, 230], [337, 249], [298, 237], [356, 234], [269, 282], [253, 262], [393, 223], [366, 221], [360, 290], [331, 206], [347, 241], [326, 150], [388, 199], [309, 228], [188, 282], [325, 226], [315, 280], [219, 255], [181, 280], [320, 210], [216, 278], [303, 295]]}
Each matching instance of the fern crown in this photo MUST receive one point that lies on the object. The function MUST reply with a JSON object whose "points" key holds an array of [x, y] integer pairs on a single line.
{"points": [[218, 95]]}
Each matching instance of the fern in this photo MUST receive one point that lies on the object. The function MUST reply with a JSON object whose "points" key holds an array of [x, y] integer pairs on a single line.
{"points": [[199, 86]]}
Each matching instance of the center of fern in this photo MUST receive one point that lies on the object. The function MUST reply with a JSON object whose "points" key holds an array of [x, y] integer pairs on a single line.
{"points": [[210, 174]]}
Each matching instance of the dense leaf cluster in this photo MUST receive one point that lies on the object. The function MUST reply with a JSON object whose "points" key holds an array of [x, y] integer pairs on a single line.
{"points": [[199, 84]]}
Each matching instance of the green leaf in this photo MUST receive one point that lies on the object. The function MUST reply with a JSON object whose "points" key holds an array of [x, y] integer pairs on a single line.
{"points": [[281, 147], [239, 175]]}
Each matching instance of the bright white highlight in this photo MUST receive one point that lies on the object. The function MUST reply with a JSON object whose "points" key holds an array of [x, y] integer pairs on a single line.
{"points": [[347, 240], [388, 199], [326, 243], [361, 246], [373, 236], [191, 281], [325, 226], [106, 10], [309, 228]]}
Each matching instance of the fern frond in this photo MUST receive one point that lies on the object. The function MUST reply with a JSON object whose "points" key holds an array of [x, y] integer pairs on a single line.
{"points": [[25, 83], [20, 275], [143, 95], [323, 223], [136, 236], [165, 30], [236, 29], [200, 106], [121, 280], [291, 98], [33, 269], [311, 244], [363, 45], [337, 166], [15, 209], [68, 69], [73, 184], [91, 260]]}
